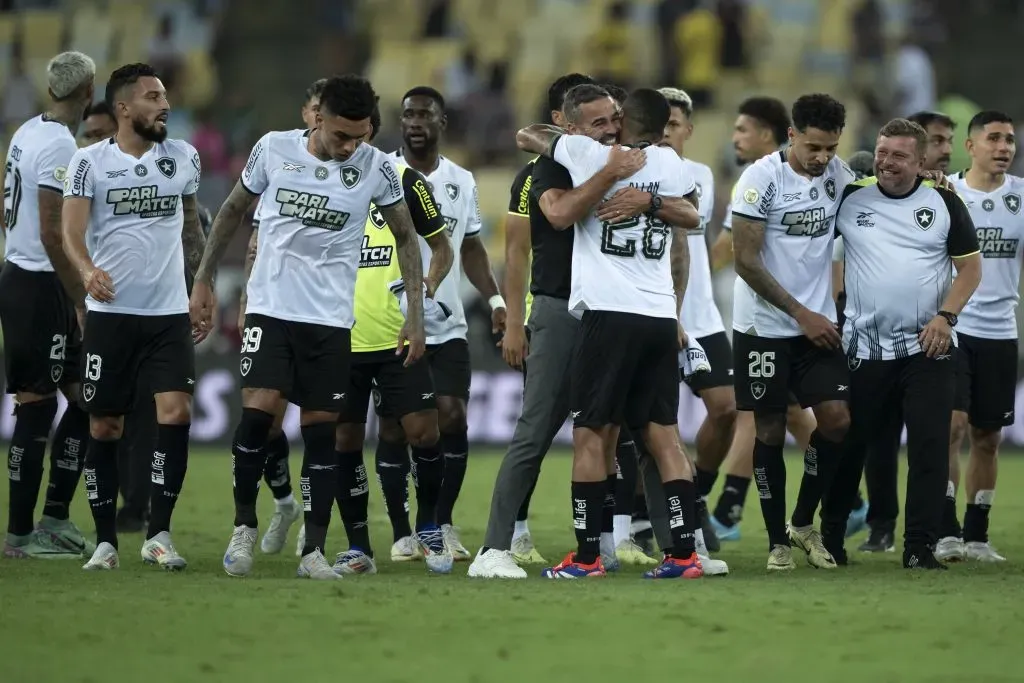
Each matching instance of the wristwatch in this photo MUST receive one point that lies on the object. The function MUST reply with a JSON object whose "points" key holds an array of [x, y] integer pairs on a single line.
{"points": [[655, 204], [951, 318]]}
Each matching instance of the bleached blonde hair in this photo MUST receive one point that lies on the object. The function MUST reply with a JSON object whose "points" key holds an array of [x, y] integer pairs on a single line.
{"points": [[67, 71], [678, 98]]}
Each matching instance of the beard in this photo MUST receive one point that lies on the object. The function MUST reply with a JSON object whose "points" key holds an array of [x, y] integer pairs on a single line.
{"points": [[148, 131]]}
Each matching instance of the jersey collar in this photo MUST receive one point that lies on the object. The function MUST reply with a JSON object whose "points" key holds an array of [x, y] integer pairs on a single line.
{"points": [[917, 184]]}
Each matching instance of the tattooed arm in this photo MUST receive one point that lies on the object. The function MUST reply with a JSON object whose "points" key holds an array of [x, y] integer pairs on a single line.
{"points": [[230, 216], [50, 234], [748, 241], [193, 241], [400, 222], [680, 260]]}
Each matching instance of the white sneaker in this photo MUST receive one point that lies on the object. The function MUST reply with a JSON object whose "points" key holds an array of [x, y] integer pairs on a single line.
{"points": [[950, 549], [982, 552], [406, 549], [454, 543], [712, 567], [160, 551], [300, 541], [495, 564], [105, 557], [354, 562], [315, 566], [436, 553], [238, 556], [280, 523], [524, 552]]}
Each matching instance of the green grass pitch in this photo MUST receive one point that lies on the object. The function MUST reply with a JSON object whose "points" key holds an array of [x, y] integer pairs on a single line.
{"points": [[872, 622]]}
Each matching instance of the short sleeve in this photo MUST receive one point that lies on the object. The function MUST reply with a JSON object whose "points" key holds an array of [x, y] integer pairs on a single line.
{"points": [[679, 180], [580, 154], [426, 217], [53, 162], [548, 175], [388, 190], [754, 194], [962, 239], [519, 195], [79, 181], [254, 176], [475, 222], [195, 168], [727, 219]]}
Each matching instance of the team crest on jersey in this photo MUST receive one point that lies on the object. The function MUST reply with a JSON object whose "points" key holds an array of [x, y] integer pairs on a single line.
{"points": [[1012, 202], [320, 173], [988, 205], [452, 190], [245, 365], [350, 176], [377, 218], [814, 194], [853, 364], [167, 166], [141, 170], [88, 391], [924, 217], [757, 390], [830, 188], [56, 372]]}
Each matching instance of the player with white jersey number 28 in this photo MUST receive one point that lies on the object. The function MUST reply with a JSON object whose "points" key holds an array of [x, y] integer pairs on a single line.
{"points": [[299, 316], [135, 196]]}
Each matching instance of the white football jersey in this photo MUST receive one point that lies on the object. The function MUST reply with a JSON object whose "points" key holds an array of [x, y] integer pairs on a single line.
{"points": [[742, 295], [700, 316], [311, 226], [899, 264], [624, 266], [136, 220], [798, 214], [37, 161], [455, 193], [990, 312]]}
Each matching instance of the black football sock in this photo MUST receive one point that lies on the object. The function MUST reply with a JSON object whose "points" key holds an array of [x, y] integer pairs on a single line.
{"points": [[428, 472], [821, 460], [456, 453], [625, 483], [770, 475], [100, 474], [392, 465], [319, 483], [25, 462], [587, 504], [276, 472], [705, 481], [976, 517], [353, 499], [524, 509], [67, 455], [680, 496], [729, 510], [248, 460], [950, 523], [170, 462]]}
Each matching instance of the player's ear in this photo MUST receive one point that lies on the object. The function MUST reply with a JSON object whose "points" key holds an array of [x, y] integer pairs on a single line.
{"points": [[444, 121]]}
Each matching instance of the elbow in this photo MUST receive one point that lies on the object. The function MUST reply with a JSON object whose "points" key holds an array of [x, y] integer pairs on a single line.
{"points": [[523, 139], [559, 220]]}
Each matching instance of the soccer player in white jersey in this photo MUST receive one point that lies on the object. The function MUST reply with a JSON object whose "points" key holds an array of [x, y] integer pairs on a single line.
{"points": [[297, 344], [700, 316], [903, 237], [986, 334], [761, 128], [783, 212], [276, 472], [628, 281], [454, 189], [39, 295], [130, 226]]}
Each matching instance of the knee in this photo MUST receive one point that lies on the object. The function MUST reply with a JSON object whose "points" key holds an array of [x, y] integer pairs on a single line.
{"points": [[174, 409], [36, 417], [834, 421], [420, 431], [252, 431], [106, 428], [985, 442], [722, 411], [349, 437], [451, 415], [390, 431], [770, 428]]}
